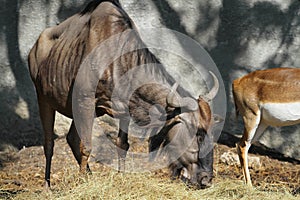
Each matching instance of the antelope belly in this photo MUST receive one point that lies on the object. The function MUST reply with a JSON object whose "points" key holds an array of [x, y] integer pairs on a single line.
{"points": [[281, 114]]}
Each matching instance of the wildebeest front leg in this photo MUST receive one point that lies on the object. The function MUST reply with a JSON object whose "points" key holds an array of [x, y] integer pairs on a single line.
{"points": [[85, 145], [74, 142], [83, 115], [47, 115], [122, 143]]}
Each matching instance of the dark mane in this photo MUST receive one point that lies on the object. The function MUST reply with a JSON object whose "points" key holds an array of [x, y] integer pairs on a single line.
{"points": [[93, 5]]}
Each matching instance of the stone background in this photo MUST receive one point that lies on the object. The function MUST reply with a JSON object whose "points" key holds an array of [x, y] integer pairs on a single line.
{"points": [[240, 35]]}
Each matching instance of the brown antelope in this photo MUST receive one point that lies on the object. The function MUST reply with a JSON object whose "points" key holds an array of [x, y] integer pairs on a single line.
{"points": [[265, 98]]}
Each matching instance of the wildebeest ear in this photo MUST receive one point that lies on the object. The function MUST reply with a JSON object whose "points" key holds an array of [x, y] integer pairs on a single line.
{"points": [[205, 114]]}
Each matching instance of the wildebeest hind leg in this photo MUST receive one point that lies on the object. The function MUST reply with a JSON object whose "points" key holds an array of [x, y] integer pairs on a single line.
{"points": [[74, 142], [47, 115]]}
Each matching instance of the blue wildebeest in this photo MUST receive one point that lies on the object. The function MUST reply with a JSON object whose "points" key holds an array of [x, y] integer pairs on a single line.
{"points": [[56, 59]]}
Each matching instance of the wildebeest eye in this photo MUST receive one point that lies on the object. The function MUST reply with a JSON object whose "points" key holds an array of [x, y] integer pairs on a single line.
{"points": [[201, 133]]}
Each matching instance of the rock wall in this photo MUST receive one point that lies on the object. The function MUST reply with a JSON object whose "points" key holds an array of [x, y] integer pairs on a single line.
{"points": [[240, 35]]}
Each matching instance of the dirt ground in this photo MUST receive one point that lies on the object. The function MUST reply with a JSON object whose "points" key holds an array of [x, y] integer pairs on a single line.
{"points": [[23, 170]]}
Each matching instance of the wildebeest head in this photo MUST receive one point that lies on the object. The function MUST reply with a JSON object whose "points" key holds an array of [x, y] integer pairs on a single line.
{"points": [[188, 139]]}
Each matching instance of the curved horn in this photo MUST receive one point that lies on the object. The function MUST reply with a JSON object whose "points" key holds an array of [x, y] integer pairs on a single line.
{"points": [[213, 92], [174, 100]]}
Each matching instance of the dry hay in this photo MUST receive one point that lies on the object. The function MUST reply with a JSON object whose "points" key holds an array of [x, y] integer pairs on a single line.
{"points": [[21, 177]]}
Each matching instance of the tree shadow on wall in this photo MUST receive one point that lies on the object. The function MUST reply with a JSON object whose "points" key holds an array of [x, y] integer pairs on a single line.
{"points": [[20, 126], [67, 10], [242, 24], [16, 128], [242, 27], [239, 25]]}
